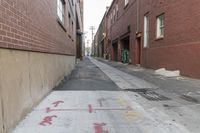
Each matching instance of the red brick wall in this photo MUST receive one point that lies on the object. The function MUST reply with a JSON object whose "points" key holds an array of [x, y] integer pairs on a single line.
{"points": [[183, 57], [126, 17], [181, 45], [32, 25]]}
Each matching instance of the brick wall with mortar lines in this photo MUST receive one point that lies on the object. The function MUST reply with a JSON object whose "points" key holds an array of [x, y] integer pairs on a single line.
{"points": [[126, 18], [32, 25], [179, 49]]}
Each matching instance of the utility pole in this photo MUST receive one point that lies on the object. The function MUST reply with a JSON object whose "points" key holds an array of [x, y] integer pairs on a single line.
{"points": [[88, 48], [88, 43], [92, 28]]}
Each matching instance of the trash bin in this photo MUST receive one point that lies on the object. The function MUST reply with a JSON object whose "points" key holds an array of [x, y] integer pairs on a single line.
{"points": [[125, 56]]}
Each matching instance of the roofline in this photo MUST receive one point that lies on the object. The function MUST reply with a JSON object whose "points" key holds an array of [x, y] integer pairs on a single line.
{"points": [[111, 6], [104, 17]]}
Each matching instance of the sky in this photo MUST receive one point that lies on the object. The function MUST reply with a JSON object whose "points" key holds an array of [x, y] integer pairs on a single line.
{"points": [[93, 14]]}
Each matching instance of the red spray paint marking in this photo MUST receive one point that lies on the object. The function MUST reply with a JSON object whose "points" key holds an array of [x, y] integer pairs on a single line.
{"points": [[99, 128], [90, 108], [48, 110], [47, 120], [57, 103]]}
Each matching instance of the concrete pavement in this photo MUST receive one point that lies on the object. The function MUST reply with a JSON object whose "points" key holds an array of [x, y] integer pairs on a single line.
{"points": [[105, 100], [87, 76], [183, 92]]}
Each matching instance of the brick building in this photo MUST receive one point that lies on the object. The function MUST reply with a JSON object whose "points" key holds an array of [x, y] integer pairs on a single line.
{"points": [[37, 49], [95, 44], [100, 38], [156, 33], [80, 45]]}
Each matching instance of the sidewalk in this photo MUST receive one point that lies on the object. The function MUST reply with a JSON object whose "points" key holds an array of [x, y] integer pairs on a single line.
{"points": [[183, 105], [175, 85]]}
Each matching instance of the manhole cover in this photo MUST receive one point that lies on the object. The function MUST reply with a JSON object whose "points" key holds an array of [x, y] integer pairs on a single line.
{"points": [[150, 95]]}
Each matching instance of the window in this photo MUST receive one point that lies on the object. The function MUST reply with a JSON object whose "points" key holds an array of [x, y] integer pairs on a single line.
{"points": [[160, 26], [117, 10], [111, 18], [109, 22], [114, 15], [69, 20], [60, 10], [72, 1], [146, 30], [72, 27], [126, 2]]}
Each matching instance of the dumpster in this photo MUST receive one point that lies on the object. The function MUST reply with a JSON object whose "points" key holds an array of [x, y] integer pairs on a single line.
{"points": [[125, 56]]}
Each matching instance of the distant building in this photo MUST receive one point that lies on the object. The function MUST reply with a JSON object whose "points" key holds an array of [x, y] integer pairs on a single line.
{"points": [[100, 37], [95, 44], [37, 49], [80, 42], [156, 34]]}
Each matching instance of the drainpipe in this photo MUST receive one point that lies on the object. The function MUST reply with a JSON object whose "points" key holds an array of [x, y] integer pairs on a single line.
{"points": [[138, 32], [138, 21]]}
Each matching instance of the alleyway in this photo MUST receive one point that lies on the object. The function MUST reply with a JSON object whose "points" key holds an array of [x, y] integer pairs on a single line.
{"points": [[87, 76], [99, 98]]}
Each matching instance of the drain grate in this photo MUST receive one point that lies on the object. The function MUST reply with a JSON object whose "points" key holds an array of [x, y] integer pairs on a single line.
{"points": [[137, 90], [189, 99], [153, 96], [150, 95]]}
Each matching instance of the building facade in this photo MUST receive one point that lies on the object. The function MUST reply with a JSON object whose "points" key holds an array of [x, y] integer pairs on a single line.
{"points": [[80, 42], [95, 44], [156, 34], [37, 49], [100, 38]]}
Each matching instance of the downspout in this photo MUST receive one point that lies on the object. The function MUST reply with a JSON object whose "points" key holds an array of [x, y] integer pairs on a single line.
{"points": [[138, 32], [138, 21]]}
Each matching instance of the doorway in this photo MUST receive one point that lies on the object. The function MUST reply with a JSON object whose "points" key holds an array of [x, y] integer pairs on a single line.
{"points": [[138, 52], [115, 52], [125, 50], [102, 49]]}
